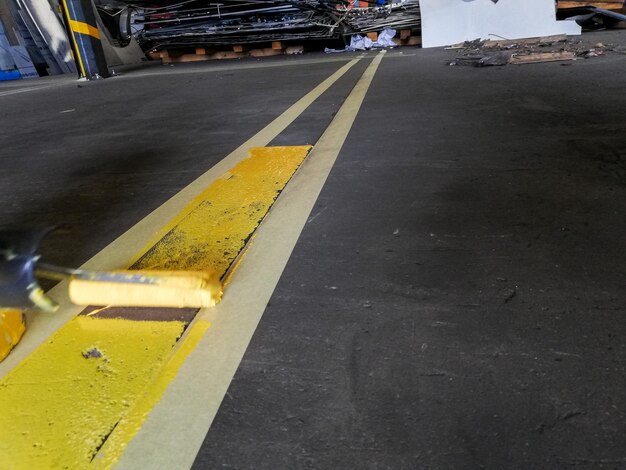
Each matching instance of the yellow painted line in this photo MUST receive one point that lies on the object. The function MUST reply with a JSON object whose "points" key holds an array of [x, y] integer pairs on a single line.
{"points": [[58, 405], [78, 59], [178, 424], [12, 328], [66, 401], [84, 28], [125, 247], [211, 231], [130, 425]]}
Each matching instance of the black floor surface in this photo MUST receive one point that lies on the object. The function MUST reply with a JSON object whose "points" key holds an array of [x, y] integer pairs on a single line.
{"points": [[457, 298]]}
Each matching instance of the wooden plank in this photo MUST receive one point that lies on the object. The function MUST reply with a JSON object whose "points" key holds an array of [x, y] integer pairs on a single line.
{"points": [[414, 41], [267, 52], [411, 41], [607, 5], [539, 57], [186, 58], [405, 33], [219, 55], [525, 42], [553, 39], [239, 51]]}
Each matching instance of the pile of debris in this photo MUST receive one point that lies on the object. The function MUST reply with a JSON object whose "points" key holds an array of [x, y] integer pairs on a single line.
{"points": [[160, 25], [398, 15], [527, 51], [199, 23]]}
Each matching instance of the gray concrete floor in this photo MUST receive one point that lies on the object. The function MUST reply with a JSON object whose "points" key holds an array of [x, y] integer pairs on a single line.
{"points": [[458, 299]]}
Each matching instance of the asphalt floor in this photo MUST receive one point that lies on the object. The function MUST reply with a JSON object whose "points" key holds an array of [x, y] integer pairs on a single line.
{"points": [[457, 296]]}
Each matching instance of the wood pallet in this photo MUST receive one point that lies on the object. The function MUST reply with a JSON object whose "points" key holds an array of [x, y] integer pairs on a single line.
{"points": [[406, 38], [172, 56], [606, 4]]}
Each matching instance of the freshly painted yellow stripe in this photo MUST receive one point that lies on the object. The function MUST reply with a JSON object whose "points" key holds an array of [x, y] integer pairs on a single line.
{"points": [[130, 425], [194, 396], [59, 405], [84, 28], [79, 398], [12, 328], [211, 231]]}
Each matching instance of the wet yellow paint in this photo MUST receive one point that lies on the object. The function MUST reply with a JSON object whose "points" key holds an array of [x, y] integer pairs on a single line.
{"points": [[12, 328], [209, 234], [58, 406], [131, 423], [78, 400], [233, 267]]}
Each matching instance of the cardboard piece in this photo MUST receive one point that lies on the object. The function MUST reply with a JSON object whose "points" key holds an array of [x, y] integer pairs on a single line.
{"points": [[446, 22]]}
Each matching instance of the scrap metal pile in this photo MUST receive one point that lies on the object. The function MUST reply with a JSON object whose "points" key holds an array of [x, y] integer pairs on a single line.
{"points": [[199, 23], [396, 15]]}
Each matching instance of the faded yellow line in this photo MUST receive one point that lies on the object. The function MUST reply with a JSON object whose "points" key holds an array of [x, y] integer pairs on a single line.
{"points": [[90, 386]]}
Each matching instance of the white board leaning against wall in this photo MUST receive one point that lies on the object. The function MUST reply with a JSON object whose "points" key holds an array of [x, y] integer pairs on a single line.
{"points": [[446, 22]]}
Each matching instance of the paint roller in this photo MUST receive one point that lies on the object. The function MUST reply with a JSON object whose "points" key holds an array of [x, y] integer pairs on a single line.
{"points": [[20, 266]]}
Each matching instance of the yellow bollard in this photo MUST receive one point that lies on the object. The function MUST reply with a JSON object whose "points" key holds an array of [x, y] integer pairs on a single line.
{"points": [[12, 327]]}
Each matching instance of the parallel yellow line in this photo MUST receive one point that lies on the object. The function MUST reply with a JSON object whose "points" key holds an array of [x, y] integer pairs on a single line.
{"points": [[81, 396], [178, 424], [121, 250]]}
